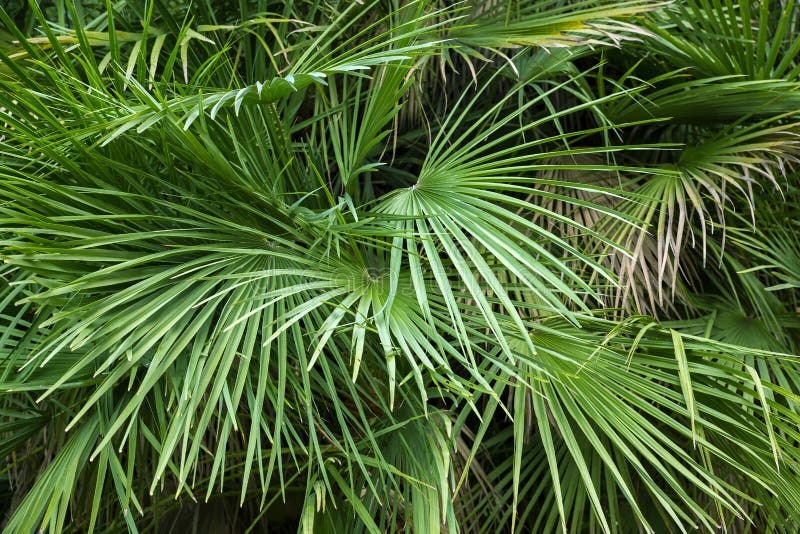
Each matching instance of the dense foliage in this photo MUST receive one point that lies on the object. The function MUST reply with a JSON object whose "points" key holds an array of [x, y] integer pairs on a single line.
{"points": [[388, 266]]}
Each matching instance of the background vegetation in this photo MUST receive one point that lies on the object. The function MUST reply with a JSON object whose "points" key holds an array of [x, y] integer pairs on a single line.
{"points": [[385, 266]]}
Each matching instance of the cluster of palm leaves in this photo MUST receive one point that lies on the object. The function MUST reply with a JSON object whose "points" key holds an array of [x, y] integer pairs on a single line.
{"points": [[388, 265]]}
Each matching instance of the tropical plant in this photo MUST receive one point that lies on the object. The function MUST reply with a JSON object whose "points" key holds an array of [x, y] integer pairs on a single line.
{"points": [[399, 266]]}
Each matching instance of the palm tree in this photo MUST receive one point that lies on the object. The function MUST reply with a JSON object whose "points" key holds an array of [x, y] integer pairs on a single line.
{"points": [[385, 266]]}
